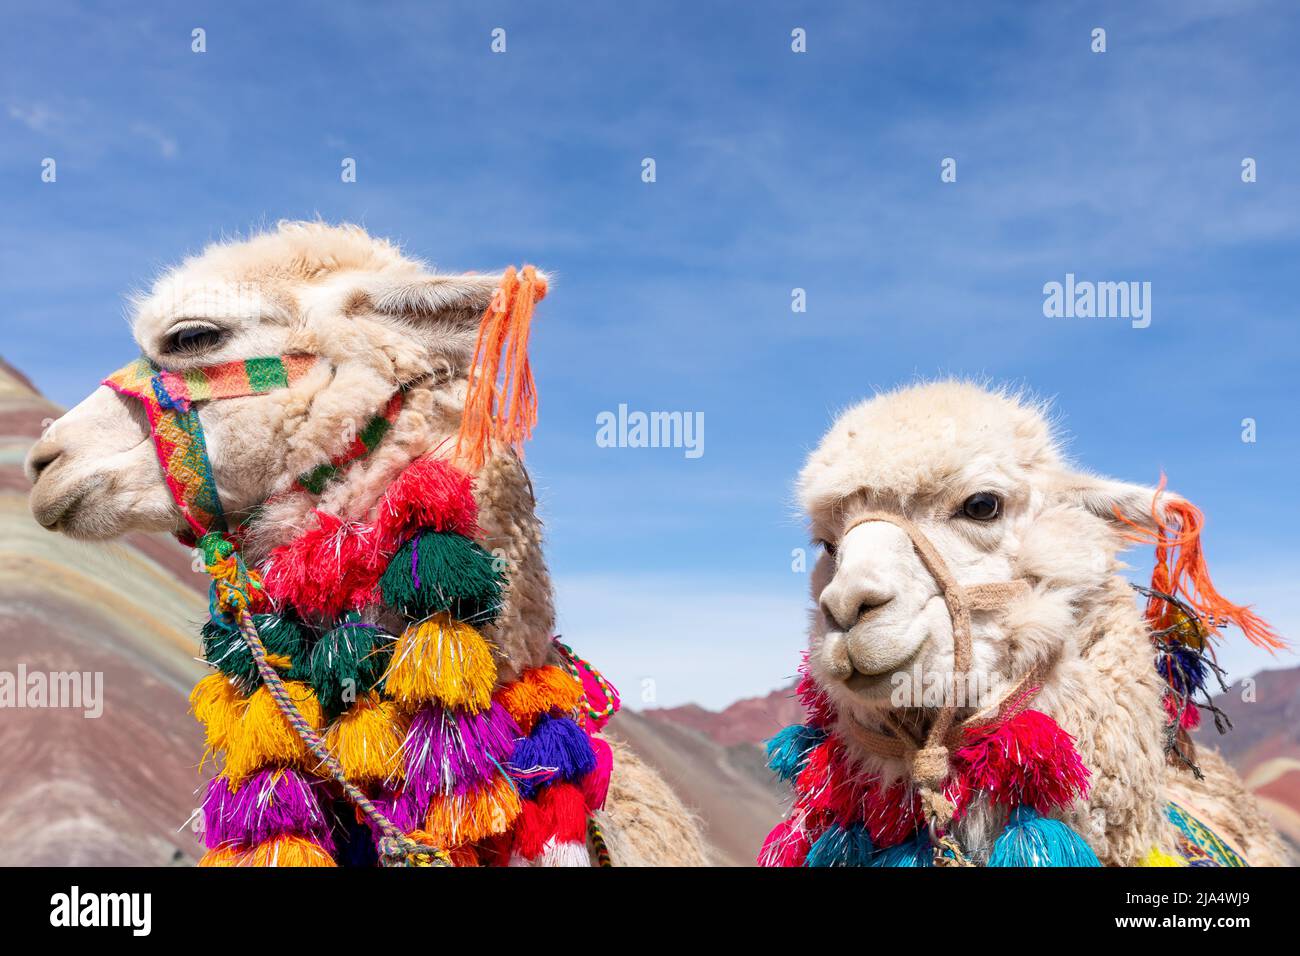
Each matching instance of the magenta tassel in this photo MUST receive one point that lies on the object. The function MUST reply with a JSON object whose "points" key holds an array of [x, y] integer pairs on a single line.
{"points": [[453, 752], [268, 804]]}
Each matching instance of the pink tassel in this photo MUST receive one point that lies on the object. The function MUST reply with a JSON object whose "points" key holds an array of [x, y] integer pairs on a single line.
{"points": [[786, 845], [595, 785], [1027, 760]]}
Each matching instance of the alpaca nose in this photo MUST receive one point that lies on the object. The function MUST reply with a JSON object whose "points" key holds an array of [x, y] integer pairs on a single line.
{"points": [[43, 454], [848, 602]]}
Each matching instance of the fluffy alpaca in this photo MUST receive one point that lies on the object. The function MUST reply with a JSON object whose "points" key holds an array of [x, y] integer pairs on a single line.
{"points": [[381, 320], [923, 452]]}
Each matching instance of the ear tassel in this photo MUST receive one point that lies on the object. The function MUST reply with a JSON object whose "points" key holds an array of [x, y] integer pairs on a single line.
{"points": [[1181, 571], [506, 412]]}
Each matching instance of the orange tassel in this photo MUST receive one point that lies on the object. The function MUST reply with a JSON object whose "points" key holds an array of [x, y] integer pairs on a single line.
{"points": [[1181, 571], [228, 855], [539, 690], [505, 412]]}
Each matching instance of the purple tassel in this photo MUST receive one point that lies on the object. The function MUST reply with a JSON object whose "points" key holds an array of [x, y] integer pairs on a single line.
{"points": [[402, 808], [557, 749], [268, 804], [453, 752]]}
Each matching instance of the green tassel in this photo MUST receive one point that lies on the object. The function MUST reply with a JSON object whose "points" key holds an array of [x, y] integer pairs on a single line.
{"points": [[438, 571], [224, 648], [347, 662]]}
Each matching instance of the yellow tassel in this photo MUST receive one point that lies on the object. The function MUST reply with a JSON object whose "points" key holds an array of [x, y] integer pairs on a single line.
{"points": [[367, 740], [473, 816], [443, 660], [288, 850], [228, 855], [538, 691], [264, 737], [218, 705], [1158, 857]]}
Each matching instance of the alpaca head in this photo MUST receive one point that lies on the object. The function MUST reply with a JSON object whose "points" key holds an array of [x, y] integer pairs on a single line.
{"points": [[981, 476], [378, 319]]}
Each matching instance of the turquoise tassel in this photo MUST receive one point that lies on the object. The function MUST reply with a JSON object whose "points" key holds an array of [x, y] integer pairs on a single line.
{"points": [[917, 851], [787, 752], [1034, 840], [841, 846]]}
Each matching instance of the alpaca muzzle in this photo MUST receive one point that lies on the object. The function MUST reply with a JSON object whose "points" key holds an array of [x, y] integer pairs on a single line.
{"points": [[927, 757]]}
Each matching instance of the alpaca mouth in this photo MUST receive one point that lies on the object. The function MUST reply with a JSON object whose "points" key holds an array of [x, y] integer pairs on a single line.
{"points": [[59, 514]]}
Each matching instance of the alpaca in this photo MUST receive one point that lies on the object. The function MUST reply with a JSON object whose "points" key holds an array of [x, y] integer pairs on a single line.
{"points": [[1032, 543], [376, 321]]}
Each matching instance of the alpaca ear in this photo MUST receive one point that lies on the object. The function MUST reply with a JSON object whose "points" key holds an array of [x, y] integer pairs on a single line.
{"points": [[458, 300], [1118, 501]]}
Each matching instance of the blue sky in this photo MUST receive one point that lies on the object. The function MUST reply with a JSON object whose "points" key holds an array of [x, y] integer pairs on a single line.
{"points": [[775, 170]]}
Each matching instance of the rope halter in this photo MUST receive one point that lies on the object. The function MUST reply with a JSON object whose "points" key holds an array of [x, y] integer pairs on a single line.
{"points": [[928, 758]]}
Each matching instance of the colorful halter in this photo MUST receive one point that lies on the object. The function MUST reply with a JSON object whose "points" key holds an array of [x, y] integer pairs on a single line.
{"points": [[169, 398]]}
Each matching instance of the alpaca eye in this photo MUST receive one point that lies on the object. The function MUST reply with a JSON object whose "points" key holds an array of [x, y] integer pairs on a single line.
{"points": [[983, 506], [827, 546], [193, 339]]}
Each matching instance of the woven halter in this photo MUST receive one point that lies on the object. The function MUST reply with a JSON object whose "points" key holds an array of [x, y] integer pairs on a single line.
{"points": [[928, 757]]}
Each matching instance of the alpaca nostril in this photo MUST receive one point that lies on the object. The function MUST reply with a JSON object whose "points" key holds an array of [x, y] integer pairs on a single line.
{"points": [[847, 606], [40, 461]]}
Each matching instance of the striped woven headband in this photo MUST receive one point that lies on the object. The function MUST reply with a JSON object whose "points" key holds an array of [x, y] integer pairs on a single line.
{"points": [[168, 399]]}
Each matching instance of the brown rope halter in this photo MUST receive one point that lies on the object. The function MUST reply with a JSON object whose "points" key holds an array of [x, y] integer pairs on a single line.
{"points": [[929, 757]]}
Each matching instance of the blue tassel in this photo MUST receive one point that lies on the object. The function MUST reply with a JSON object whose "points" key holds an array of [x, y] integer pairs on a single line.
{"points": [[917, 851], [787, 752], [1034, 840], [1182, 667], [557, 749], [841, 846]]}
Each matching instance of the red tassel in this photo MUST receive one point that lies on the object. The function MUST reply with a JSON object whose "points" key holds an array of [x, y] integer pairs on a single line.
{"points": [[532, 829], [1189, 719], [1027, 759], [820, 710], [330, 569], [564, 804], [428, 494]]}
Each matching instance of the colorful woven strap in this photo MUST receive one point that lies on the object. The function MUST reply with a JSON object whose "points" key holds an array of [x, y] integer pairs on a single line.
{"points": [[1198, 844], [169, 398]]}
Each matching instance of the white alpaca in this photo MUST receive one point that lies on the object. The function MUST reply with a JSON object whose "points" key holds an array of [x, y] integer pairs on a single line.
{"points": [[981, 476], [379, 319]]}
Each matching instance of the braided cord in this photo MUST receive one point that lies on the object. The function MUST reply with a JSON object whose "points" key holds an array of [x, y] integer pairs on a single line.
{"points": [[396, 848], [597, 836], [574, 662]]}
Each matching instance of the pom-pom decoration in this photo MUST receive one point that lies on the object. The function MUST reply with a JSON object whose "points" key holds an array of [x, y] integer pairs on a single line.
{"points": [[787, 752], [288, 850], [1027, 759], [334, 567], [286, 647], [556, 750], [218, 705], [841, 846], [1034, 840], [268, 804], [444, 661], [595, 785], [264, 739], [429, 494], [438, 572], [538, 691], [348, 662], [367, 740], [473, 815], [451, 752]]}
